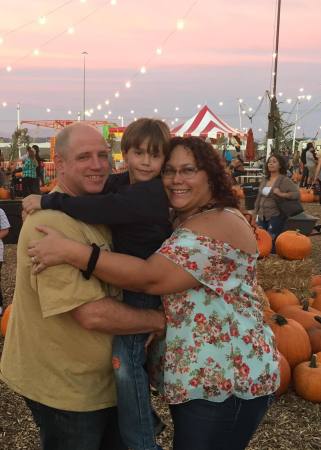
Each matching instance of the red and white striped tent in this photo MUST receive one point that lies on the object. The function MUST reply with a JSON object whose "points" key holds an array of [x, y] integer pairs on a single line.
{"points": [[205, 124]]}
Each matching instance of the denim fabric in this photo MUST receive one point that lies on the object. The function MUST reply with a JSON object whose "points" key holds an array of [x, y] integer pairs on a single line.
{"points": [[68, 430], [136, 418], [305, 177], [274, 226], [205, 425]]}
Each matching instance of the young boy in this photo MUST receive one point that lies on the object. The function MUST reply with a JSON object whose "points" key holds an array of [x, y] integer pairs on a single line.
{"points": [[135, 207]]}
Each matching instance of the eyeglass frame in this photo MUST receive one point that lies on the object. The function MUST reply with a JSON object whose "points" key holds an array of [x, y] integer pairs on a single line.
{"points": [[180, 172]]}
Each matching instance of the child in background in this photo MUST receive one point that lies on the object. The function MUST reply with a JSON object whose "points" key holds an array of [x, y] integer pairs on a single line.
{"points": [[135, 207], [4, 230]]}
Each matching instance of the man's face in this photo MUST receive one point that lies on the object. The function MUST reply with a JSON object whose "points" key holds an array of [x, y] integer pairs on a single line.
{"points": [[84, 167]]}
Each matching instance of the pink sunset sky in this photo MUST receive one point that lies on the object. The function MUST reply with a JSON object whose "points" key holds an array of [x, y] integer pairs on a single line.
{"points": [[223, 53]]}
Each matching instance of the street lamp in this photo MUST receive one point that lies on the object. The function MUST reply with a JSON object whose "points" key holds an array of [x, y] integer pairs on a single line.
{"points": [[84, 86]]}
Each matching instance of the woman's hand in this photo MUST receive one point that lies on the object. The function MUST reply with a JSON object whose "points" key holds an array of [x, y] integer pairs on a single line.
{"points": [[31, 203], [278, 192], [49, 251]]}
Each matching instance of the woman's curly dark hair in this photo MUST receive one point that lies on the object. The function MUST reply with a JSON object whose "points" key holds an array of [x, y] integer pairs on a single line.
{"points": [[210, 161], [282, 164]]}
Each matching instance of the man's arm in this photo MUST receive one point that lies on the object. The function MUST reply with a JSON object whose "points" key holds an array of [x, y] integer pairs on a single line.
{"points": [[110, 316]]}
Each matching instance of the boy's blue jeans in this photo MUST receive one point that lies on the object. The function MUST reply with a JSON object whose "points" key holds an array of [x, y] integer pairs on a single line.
{"points": [[135, 415], [68, 430]]}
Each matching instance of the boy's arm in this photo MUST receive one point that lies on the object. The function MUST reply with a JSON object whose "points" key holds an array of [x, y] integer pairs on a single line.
{"points": [[144, 202]]}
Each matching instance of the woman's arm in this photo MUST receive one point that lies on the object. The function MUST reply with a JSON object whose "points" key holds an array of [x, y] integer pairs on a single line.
{"points": [[157, 275], [287, 189]]}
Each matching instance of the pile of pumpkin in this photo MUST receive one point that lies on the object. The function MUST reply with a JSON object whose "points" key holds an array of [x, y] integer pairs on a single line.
{"points": [[297, 330], [290, 244], [308, 196]]}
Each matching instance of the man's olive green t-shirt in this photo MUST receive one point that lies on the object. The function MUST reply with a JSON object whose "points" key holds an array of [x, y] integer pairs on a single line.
{"points": [[48, 357]]}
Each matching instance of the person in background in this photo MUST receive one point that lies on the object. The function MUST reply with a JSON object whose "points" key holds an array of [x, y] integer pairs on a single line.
{"points": [[40, 170], [227, 156], [275, 183], [237, 166], [218, 365], [304, 169], [29, 173], [4, 230], [311, 162], [55, 355]]}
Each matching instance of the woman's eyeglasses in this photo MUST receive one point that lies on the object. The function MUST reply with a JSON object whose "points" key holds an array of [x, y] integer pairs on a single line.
{"points": [[186, 173]]}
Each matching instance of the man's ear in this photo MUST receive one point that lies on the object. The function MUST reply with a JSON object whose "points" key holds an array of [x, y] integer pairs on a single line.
{"points": [[59, 163]]}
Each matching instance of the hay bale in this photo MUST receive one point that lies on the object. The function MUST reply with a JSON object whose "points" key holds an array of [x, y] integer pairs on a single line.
{"points": [[276, 272]]}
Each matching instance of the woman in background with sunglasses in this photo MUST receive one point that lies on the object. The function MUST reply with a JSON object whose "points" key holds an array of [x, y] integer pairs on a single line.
{"points": [[217, 366]]}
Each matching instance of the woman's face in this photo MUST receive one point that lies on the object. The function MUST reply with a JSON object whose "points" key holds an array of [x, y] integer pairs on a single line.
{"points": [[186, 186], [273, 165]]}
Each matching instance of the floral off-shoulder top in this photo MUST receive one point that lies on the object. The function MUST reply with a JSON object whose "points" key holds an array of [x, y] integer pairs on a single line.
{"points": [[216, 343]]}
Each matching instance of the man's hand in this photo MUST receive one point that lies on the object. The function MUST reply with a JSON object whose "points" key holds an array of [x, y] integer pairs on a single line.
{"points": [[31, 203]]}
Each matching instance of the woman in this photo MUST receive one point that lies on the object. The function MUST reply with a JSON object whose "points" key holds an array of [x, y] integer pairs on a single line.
{"points": [[219, 365], [275, 184], [29, 173]]}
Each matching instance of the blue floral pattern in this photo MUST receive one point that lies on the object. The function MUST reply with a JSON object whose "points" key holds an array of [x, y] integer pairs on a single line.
{"points": [[216, 343]]}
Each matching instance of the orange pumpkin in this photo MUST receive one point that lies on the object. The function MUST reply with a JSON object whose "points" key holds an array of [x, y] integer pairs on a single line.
{"points": [[4, 320], [306, 195], [308, 317], [293, 245], [315, 280], [291, 339], [4, 193], [279, 298], [285, 375], [264, 242], [307, 380], [315, 339]]}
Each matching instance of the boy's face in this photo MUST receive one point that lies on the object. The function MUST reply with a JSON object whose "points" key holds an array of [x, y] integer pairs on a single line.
{"points": [[143, 166]]}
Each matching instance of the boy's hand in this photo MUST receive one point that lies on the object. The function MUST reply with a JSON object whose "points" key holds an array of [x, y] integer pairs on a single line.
{"points": [[31, 203]]}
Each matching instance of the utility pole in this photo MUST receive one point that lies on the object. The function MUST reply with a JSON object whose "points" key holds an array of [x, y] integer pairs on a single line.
{"points": [[84, 87], [273, 115], [18, 116]]}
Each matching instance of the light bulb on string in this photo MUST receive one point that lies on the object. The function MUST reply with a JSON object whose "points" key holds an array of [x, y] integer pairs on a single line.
{"points": [[128, 84], [71, 30], [180, 24], [301, 89], [107, 102], [280, 94], [113, 2], [4, 104], [1, 40], [83, 1], [69, 112], [42, 20], [132, 111], [159, 51], [259, 97], [99, 107], [199, 106], [289, 100], [9, 69], [117, 94], [109, 113], [105, 116], [91, 110], [48, 110], [221, 103], [155, 110], [241, 100], [143, 70], [176, 108], [36, 52], [308, 97]]}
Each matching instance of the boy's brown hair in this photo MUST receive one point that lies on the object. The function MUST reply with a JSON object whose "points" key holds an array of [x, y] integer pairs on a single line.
{"points": [[154, 131]]}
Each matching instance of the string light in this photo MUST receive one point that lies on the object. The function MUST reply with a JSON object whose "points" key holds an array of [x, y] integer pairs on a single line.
{"points": [[8, 68], [42, 20], [107, 102], [99, 107], [36, 52], [128, 84], [221, 103], [143, 70], [71, 30], [132, 111], [159, 51], [4, 104], [1, 40], [69, 112], [180, 24], [113, 2], [155, 110], [176, 108], [48, 110], [117, 94]]}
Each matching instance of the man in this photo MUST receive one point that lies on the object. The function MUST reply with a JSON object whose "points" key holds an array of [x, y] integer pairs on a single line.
{"points": [[53, 355]]}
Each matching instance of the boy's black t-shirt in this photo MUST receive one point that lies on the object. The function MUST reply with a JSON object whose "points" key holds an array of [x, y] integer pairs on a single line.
{"points": [[137, 214]]}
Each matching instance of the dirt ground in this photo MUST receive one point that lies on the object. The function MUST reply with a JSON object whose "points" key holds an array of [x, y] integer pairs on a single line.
{"points": [[291, 423]]}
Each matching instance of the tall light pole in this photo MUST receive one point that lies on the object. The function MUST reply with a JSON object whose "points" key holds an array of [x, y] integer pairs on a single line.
{"points": [[18, 116], [273, 116], [84, 86]]}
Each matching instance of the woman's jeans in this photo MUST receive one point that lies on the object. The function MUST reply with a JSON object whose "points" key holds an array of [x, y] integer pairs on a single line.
{"points": [[274, 226], [136, 418], [205, 425], [305, 177], [68, 430]]}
